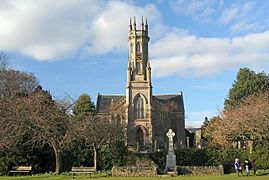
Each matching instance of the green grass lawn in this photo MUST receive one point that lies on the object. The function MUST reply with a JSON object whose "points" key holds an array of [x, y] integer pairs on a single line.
{"points": [[261, 175], [83, 177]]}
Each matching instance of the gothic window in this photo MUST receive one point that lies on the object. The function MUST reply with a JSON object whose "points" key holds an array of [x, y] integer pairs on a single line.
{"points": [[138, 47], [138, 67], [139, 108]]}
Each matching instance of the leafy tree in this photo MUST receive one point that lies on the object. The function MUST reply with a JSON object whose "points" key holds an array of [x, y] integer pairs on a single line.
{"points": [[209, 128], [261, 155], [247, 83], [84, 105]]}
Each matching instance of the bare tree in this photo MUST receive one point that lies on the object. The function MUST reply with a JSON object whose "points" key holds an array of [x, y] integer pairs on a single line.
{"points": [[4, 65], [41, 117], [98, 131]]}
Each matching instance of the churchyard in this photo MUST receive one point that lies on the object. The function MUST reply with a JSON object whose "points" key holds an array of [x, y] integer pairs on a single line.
{"points": [[137, 134]]}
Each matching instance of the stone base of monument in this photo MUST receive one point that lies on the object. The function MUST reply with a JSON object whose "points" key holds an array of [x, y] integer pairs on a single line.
{"points": [[171, 167]]}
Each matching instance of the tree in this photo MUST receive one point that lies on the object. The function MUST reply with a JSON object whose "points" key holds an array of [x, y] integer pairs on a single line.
{"points": [[38, 115], [4, 65], [84, 105], [261, 155], [98, 132], [247, 83], [209, 128], [248, 122]]}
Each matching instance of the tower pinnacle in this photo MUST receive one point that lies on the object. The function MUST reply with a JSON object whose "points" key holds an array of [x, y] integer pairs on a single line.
{"points": [[142, 24], [134, 23]]}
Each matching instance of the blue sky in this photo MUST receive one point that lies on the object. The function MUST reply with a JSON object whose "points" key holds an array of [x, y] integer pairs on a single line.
{"points": [[196, 46]]}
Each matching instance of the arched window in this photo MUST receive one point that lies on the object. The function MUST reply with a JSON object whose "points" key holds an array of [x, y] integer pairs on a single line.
{"points": [[138, 47], [138, 67], [139, 108]]}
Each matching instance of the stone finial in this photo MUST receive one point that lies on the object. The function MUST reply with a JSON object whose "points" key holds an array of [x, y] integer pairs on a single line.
{"points": [[134, 23], [146, 25], [142, 24], [130, 24]]}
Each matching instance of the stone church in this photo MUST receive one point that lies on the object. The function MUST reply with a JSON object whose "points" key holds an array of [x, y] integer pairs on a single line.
{"points": [[147, 117]]}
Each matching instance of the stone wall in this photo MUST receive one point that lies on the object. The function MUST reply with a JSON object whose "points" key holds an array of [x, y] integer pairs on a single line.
{"points": [[200, 170], [141, 166], [134, 171]]}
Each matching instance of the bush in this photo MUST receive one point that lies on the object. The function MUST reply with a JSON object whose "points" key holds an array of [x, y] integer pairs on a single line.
{"points": [[198, 157], [261, 155], [113, 155]]}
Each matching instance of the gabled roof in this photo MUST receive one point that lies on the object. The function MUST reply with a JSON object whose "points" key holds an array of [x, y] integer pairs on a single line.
{"points": [[176, 98], [104, 102]]}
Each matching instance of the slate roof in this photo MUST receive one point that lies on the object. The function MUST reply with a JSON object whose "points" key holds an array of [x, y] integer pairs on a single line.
{"points": [[104, 101], [177, 98]]}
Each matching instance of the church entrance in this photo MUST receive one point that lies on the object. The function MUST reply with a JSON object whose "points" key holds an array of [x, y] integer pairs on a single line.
{"points": [[141, 138]]}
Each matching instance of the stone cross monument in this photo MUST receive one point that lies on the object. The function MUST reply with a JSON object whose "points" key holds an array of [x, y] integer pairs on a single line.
{"points": [[170, 134], [170, 157]]}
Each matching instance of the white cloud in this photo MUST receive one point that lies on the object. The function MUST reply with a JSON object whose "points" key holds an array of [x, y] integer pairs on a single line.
{"points": [[110, 27], [50, 30], [184, 54], [237, 12], [197, 9]]}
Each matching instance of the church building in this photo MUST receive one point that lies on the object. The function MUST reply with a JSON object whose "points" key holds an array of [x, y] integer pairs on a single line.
{"points": [[147, 117]]}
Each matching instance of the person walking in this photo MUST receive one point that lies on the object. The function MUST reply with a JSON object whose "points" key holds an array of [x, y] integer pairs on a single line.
{"points": [[237, 166], [247, 167]]}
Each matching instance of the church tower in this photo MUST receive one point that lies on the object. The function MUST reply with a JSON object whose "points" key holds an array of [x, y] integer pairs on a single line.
{"points": [[139, 89]]}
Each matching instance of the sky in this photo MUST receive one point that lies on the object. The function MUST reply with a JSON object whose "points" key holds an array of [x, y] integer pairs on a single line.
{"points": [[81, 46]]}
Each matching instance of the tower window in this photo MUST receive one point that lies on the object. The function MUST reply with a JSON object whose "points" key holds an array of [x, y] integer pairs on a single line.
{"points": [[138, 67], [138, 47], [139, 108]]}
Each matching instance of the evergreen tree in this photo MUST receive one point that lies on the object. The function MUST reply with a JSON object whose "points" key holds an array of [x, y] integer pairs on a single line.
{"points": [[247, 83], [84, 105]]}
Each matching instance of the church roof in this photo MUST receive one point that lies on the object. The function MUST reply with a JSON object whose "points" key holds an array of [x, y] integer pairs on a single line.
{"points": [[104, 101], [176, 98]]}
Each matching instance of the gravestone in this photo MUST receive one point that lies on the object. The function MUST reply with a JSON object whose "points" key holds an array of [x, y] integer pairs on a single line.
{"points": [[170, 157]]}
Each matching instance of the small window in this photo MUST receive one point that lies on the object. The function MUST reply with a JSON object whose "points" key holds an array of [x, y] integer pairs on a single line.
{"points": [[138, 67], [138, 47]]}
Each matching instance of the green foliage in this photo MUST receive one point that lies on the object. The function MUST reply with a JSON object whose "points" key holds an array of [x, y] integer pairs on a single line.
{"points": [[247, 83], [159, 158], [261, 155], [84, 105], [228, 157], [198, 157], [208, 127], [113, 155], [202, 157], [78, 155]]}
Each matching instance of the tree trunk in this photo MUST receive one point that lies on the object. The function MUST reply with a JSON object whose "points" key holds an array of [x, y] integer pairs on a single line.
{"points": [[95, 157], [58, 160]]}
